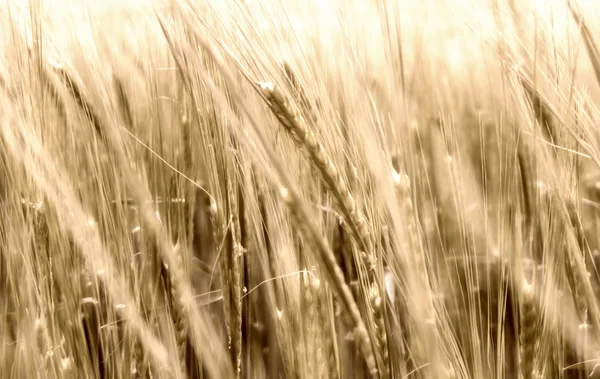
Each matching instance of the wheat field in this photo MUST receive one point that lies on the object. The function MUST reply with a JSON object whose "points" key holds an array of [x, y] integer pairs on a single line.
{"points": [[300, 189]]}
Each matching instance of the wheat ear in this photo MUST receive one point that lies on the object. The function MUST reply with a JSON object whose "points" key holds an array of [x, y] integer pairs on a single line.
{"points": [[306, 139]]}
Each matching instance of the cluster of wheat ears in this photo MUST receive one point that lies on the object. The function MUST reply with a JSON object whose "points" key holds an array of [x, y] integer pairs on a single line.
{"points": [[299, 189]]}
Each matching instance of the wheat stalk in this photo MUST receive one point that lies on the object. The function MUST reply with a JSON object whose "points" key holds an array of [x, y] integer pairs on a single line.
{"points": [[306, 139]]}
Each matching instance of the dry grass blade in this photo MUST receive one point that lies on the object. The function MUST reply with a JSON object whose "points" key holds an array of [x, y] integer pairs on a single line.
{"points": [[232, 277], [588, 39]]}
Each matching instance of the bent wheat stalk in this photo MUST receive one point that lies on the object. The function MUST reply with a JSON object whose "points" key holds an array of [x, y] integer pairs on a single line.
{"points": [[296, 126]]}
